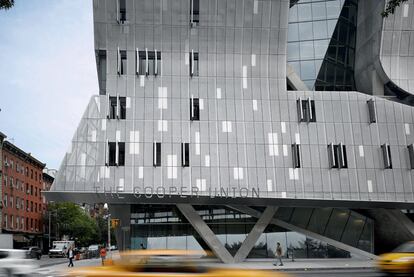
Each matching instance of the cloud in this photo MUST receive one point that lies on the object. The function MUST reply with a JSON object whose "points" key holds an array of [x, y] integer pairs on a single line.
{"points": [[47, 74]]}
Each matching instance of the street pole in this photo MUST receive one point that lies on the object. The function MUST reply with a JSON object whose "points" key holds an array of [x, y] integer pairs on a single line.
{"points": [[108, 215], [50, 225]]}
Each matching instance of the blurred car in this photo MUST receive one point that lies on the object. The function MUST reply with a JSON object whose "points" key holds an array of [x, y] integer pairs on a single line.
{"points": [[15, 262], [33, 252], [399, 261], [175, 263], [93, 251]]}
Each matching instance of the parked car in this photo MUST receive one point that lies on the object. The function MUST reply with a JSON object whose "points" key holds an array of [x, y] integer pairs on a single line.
{"points": [[15, 262], [399, 261], [93, 251], [33, 252]]}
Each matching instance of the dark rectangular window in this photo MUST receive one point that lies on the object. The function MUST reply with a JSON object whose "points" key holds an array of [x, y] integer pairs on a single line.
{"points": [[111, 153], [101, 64], [296, 155], [372, 112], [123, 59], [194, 109], [194, 12], [337, 156], [150, 65], [185, 154], [112, 107], [156, 153], [193, 63], [386, 153], [122, 11], [117, 107], [306, 110], [121, 153], [411, 155], [116, 154]]}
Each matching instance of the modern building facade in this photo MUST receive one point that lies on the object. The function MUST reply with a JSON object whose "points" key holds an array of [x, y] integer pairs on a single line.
{"points": [[229, 125], [22, 186]]}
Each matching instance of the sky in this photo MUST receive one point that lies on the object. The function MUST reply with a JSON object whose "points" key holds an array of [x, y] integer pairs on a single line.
{"points": [[47, 74]]}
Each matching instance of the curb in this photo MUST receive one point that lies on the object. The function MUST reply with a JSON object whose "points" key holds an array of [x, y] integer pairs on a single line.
{"points": [[326, 268]]}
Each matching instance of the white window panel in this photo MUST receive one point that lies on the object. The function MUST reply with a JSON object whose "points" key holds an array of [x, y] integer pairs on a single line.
{"points": [[283, 126], [201, 184], [283, 194], [269, 185], [254, 105], [172, 166], [291, 174], [218, 93], [140, 172], [162, 125], [103, 124], [285, 150], [296, 173], [141, 80], [238, 173], [118, 135], [255, 6], [369, 182], [253, 59], [207, 161], [128, 102], [201, 104], [407, 128], [226, 127], [121, 186], [406, 9], [93, 136], [187, 58], [297, 138], [361, 151], [244, 76]]}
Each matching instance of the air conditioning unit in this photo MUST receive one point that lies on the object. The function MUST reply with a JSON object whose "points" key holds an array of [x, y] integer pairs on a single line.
{"points": [[6, 164]]}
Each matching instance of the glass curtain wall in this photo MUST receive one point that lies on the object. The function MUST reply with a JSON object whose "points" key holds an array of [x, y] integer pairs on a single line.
{"points": [[321, 43], [164, 227]]}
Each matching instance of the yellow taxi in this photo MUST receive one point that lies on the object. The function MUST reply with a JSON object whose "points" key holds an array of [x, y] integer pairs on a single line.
{"points": [[399, 261], [172, 263]]}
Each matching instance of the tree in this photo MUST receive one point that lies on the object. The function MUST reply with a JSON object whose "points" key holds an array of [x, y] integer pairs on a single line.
{"points": [[6, 4], [75, 223], [391, 6]]}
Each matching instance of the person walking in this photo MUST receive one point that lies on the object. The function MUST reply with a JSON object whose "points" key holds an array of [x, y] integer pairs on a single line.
{"points": [[279, 254], [103, 254], [71, 255]]}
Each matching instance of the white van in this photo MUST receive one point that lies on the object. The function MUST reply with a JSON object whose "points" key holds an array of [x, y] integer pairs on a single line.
{"points": [[60, 248]]}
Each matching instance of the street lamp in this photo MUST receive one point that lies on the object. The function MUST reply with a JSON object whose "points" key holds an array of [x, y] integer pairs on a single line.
{"points": [[108, 216]]}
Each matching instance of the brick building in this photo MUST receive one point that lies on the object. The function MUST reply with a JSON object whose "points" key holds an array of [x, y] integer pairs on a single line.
{"points": [[48, 178], [22, 185], [2, 137]]}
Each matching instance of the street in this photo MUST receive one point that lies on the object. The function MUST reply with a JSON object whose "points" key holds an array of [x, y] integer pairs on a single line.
{"points": [[314, 268], [335, 273]]}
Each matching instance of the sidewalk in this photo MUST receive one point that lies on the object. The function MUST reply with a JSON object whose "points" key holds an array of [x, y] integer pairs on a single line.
{"points": [[264, 264], [302, 264]]}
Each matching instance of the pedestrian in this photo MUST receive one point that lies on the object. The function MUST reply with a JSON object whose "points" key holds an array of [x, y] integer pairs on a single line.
{"points": [[279, 253], [71, 255], [103, 254]]}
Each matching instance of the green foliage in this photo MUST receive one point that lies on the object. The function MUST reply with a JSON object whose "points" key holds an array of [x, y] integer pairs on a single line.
{"points": [[76, 223], [6, 4], [391, 6]]}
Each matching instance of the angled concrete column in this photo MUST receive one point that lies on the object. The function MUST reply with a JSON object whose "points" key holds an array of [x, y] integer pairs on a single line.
{"points": [[288, 226], [254, 234], [205, 232]]}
